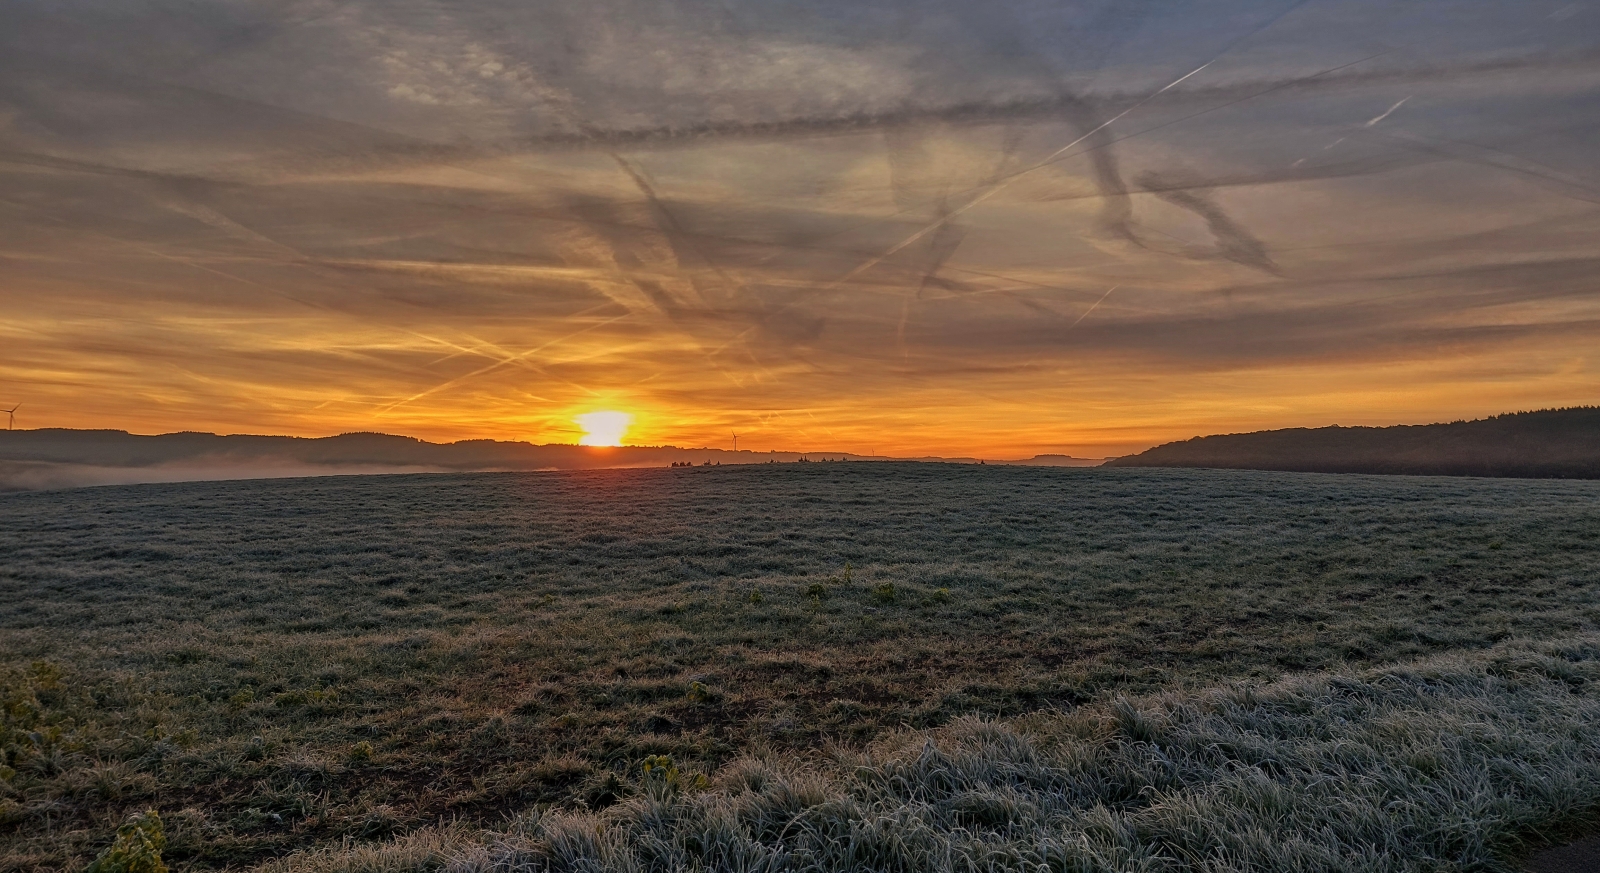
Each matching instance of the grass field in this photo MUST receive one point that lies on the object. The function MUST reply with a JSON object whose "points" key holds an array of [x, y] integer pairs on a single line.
{"points": [[824, 666]]}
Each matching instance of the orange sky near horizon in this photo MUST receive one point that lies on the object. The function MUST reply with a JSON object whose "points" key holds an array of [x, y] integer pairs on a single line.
{"points": [[975, 236]]}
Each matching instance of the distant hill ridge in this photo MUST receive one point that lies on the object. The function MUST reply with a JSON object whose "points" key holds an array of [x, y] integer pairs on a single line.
{"points": [[1548, 443], [61, 457], [118, 448]]}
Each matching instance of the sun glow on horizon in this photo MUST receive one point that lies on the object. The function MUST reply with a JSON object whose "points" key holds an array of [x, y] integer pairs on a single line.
{"points": [[603, 428]]}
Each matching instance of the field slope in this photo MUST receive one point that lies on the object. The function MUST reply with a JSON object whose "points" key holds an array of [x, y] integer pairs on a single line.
{"points": [[821, 666], [1556, 443]]}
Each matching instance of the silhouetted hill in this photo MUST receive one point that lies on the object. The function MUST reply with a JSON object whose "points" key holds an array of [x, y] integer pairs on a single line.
{"points": [[1553, 443], [59, 457]]}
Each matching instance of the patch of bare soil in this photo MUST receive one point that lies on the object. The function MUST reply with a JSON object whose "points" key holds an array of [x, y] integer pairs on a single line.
{"points": [[1580, 857]]}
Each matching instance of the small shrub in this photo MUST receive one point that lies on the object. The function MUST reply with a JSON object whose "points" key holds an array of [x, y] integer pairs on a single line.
{"points": [[884, 592], [847, 572], [361, 752], [754, 596], [136, 848], [659, 768], [816, 591], [661, 773], [699, 692], [242, 698]]}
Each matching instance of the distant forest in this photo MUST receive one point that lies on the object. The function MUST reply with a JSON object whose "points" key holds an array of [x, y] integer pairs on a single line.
{"points": [[1548, 444]]}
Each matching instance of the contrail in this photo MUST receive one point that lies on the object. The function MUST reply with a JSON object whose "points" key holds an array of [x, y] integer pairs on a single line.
{"points": [[1390, 111], [1000, 184], [674, 232], [1092, 307], [677, 240], [505, 362], [504, 356], [1305, 80], [1462, 151], [177, 259]]}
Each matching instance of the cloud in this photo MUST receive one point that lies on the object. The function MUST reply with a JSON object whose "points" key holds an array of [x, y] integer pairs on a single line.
{"points": [[297, 216]]}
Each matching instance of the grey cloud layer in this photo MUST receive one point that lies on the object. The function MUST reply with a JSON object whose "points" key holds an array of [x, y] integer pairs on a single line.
{"points": [[787, 195]]}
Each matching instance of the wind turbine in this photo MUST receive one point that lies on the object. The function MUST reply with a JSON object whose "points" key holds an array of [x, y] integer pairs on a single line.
{"points": [[11, 415], [736, 444]]}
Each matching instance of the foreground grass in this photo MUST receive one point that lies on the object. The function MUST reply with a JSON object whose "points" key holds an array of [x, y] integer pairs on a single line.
{"points": [[283, 665], [1453, 763]]}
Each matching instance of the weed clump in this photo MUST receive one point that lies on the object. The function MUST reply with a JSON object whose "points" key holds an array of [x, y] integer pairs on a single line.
{"points": [[658, 768], [136, 848], [884, 592], [660, 774]]}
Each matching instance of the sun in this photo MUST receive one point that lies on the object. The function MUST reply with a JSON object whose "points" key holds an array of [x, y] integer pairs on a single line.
{"points": [[603, 428]]}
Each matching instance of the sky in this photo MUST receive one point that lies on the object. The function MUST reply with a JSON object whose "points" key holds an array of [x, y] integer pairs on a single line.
{"points": [[951, 227]]}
